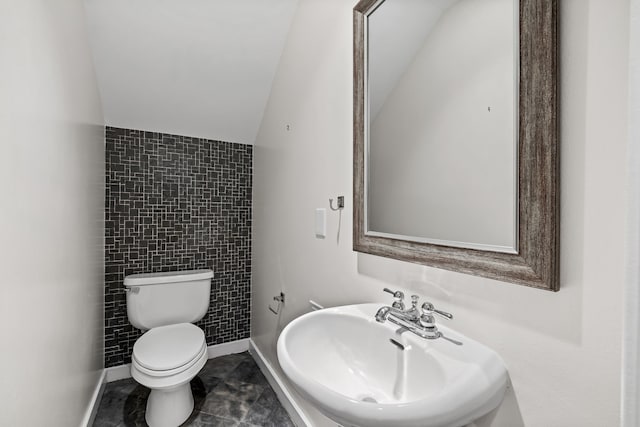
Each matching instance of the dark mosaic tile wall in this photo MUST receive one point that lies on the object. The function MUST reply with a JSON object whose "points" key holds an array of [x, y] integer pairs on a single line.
{"points": [[177, 203]]}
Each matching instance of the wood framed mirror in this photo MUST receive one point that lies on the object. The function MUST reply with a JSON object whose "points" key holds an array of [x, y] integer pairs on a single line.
{"points": [[525, 248]]}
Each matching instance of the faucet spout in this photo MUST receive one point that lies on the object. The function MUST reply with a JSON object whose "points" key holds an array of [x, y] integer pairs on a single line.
{"points": [[382, 314]]}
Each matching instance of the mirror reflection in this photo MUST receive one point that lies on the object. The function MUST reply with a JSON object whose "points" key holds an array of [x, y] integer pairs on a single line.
{"points": [[443, 122]]}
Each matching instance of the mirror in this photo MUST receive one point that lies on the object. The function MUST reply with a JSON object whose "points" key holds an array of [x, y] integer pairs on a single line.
{"points": [[442, 113], [455, 137]]}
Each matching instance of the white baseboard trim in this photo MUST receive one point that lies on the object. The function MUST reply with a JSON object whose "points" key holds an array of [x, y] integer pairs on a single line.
{"points": [[284, 396], [121, 372], [94, 403], [228, 348]]}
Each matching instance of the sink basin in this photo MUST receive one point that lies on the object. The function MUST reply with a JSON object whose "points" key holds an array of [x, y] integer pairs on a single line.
{"points": [[359, 372]]}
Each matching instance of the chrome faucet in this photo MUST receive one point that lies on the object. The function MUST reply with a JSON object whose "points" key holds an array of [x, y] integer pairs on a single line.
{"points": [[398, 296], [419, 321]]}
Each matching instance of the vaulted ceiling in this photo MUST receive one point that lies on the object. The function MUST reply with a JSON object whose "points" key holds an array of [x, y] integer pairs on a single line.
{"points": [[193, 67]]}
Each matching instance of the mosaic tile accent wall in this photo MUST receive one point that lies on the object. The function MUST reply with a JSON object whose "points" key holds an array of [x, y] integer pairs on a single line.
{"points": [[177, 203]]}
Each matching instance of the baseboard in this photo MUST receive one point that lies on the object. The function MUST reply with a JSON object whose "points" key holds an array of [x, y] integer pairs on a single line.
{"points": [[121, 372], [94, 403], [228, 348], [288, 402]]}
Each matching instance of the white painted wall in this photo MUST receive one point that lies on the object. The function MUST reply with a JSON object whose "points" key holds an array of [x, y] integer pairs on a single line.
{"points": [[51, 215], [190, 67], [563, 349], [631, 338], [448, 128]]}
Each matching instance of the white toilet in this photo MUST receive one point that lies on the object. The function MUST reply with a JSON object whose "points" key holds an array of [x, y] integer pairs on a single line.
{"points": [[172, 350]]}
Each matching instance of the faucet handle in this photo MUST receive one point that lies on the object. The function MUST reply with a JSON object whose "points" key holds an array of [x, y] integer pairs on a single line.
{"points": [[399, 296], [428, 309]]}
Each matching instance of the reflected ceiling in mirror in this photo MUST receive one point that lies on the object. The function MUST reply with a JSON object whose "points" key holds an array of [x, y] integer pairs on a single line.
{"points": [[442, 118]]}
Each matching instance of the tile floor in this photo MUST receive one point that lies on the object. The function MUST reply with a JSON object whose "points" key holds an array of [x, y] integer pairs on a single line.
{"points": [[230, 391]]}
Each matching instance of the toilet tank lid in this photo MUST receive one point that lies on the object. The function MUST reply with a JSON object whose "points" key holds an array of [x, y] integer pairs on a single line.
{"points": [[167, 277]]}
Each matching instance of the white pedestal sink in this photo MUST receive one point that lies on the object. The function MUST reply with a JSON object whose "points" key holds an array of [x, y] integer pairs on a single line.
{"points": [[363, 373]]}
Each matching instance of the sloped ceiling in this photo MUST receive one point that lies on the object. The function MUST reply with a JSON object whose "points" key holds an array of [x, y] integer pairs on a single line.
{"points": [[192, 67]]}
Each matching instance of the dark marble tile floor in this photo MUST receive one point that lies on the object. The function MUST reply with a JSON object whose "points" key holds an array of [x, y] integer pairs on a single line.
{"points": [[230, 391]]}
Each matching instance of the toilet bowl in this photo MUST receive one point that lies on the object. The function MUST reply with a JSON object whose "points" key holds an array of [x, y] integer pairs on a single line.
{"points": [[172, 350], [166, 359]]}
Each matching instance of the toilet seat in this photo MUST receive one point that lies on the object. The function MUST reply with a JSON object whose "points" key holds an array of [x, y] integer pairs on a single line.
{"points": [[169, 350]]}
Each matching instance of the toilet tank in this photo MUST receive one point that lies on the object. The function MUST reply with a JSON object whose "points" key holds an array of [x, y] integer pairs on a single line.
{"points": [[158, 299]]}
